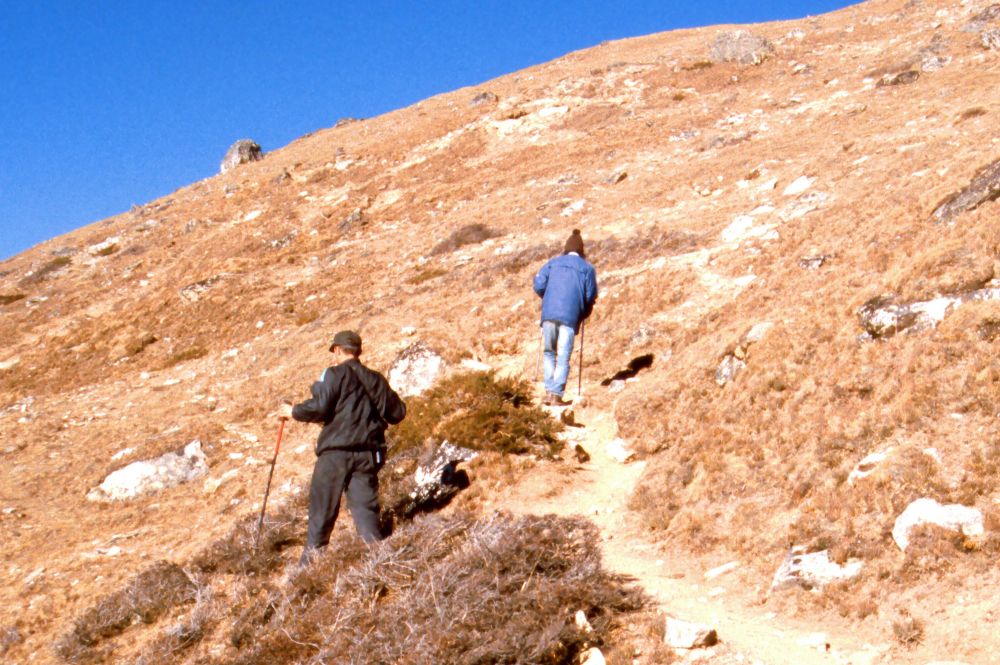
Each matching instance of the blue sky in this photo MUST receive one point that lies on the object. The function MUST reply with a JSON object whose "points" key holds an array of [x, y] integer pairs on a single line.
{"points": [[106, 104]]}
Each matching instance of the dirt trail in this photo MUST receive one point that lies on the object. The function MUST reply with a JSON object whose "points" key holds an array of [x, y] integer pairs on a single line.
{"points": [[600, 490]]}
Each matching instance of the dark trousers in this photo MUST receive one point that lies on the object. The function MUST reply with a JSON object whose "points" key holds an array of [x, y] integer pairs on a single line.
{"points": [[336, 472]]}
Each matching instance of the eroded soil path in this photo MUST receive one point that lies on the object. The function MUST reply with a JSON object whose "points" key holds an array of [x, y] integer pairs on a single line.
{"points": [[749, 631]]}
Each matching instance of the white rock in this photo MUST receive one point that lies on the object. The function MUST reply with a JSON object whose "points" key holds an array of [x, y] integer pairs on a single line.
{"points": [[728, 369], [34, 576], [212, 485], [867, 466], [149, 476], [415, 369], [592, 656], [9, 363], [814, 569], [252, 215], [581, 622], [687, 635], [474, 365], [721, 570], [619, 451], [408, 331], [797, 186], [954, 516], [124, 452], [757, 333]]}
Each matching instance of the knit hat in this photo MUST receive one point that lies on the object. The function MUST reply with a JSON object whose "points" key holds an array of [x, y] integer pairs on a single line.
{"points": [[347, 339], [574, 243]]}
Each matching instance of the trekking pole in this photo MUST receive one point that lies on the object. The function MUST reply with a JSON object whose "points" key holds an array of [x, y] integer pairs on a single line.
{"points": [[267, 490], [579, 376]]}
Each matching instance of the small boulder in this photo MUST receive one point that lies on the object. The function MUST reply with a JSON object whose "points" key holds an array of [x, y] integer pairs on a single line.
{"points": [[241, 152], [990, 39], [811, 570], [955, 517], [415, 369], [740, 46], [592, 656], [728, 369], [149, 476], [984, 186], [687, 635]]}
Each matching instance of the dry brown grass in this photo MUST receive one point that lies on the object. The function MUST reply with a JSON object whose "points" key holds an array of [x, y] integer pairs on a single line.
{"points": [[471, 234]]}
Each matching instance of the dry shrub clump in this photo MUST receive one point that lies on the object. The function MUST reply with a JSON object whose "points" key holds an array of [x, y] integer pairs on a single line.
{"points": [[479, 411], [8, 298], [471, 234], [235, 553], [444, 590], [148, 595], [46, 271]]}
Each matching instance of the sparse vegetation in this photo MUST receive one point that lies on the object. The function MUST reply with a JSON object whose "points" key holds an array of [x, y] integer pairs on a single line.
{"points": [[8, 298], [480, 411], [190, 353], [471, 234], [46, 271], [426, 274]]}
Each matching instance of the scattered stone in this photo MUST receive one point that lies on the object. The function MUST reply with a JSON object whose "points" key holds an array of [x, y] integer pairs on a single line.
{"points": [[954, 517], [9, 363], [900, 78], [799, 185], [149, 476], [581, 454], [687, 635], [241, 152], [867, 466], [718, 571], [484, 98], [984, 187], [192, 292], [810, 570], [580, 619], [616, 177], [814, 262], [592, 656], [355, 220], [728, 369], [105, 247], [619, 451], [990, 39], [415, 369], [34, 576], [212, 485], [124, 452], [740, 46], [933, 63]]}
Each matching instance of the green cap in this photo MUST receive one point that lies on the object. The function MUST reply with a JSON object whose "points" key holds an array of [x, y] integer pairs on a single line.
{"points": [[347, 339]]}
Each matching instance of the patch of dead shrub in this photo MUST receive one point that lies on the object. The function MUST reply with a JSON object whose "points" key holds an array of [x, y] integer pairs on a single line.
{"points": [[470, 234]]}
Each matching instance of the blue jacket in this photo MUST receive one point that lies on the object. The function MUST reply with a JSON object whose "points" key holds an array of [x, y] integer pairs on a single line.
{"points": [[567, 286]]}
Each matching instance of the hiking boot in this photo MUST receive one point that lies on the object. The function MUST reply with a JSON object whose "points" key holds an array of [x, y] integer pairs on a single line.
{"points": [[557, 400]]}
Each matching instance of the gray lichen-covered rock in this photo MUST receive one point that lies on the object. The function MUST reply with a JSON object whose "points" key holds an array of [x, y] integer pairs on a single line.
{"points": [[435, 481], [811, 570], [740, 46], [881, 318], [241, 152], [985, 186], [415, 369], [154, 475], [990, 39]]}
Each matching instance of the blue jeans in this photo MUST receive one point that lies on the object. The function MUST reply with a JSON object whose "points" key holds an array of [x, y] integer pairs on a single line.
{"points": [[557, 339]]}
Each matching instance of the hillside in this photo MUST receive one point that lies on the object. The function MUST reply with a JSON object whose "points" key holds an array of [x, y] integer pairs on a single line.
{"points": [[715, 198]]}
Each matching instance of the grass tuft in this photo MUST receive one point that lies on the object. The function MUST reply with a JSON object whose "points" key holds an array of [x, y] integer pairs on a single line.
{"points": [[470, 234]]}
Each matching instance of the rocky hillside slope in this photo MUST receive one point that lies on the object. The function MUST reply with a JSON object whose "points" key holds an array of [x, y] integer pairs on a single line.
{"points": [[799, 227]]}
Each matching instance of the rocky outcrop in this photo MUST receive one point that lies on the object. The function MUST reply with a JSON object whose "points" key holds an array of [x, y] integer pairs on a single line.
{"points": [[954, 517], [150, 476], [881, 317], [415, 369], [811, 570], [984, 186], [241, 152], [435, 482], [742, 47]]}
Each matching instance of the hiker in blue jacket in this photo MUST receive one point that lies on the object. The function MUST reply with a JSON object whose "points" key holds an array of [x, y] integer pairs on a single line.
{"points": [[567, 286]]}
